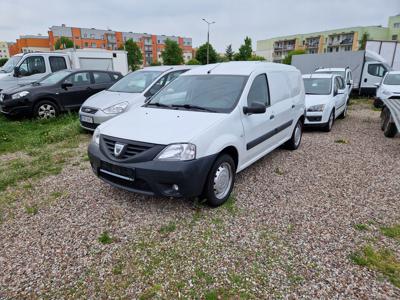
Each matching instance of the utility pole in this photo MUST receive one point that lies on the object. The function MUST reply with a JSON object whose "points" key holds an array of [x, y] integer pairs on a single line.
{"points": [[208, 39]]}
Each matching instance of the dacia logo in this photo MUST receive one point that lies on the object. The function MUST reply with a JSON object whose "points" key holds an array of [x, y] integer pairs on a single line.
{"points": [[119, 149]]}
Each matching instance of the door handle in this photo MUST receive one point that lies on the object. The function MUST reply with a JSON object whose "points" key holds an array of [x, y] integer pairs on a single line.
{"points": [[293, 106], [365, 79], [271, 117]]}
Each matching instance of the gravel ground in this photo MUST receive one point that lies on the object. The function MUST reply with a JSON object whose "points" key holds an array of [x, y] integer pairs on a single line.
{"points": [[288, 232]]}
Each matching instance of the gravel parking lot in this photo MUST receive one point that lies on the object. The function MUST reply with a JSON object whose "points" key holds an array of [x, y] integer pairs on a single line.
{"points": [[290, 230]]}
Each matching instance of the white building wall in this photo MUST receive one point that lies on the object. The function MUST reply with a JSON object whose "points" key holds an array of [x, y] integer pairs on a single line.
{"points": [[4, 50]]}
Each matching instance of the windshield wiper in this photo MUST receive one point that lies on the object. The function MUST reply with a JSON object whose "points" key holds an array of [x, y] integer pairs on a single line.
{"points": [[158, 104], [190, 106]]}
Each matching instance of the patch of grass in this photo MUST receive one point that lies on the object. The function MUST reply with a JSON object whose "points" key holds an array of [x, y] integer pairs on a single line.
{"points": [[203, 276], [105, 238], [382, 260], [230, 205], [278, 171], [151, 292], [166, 229], [31, 210], [118, 268], [341, 141], [361, 227], [392, 232]]}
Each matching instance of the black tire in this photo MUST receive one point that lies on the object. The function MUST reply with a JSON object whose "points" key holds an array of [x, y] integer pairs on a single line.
{"points": [[378, 103], [294, 141], [344, 112], [210, 190], [328, 126], [46, 109], [384, 119], [390, 128]]}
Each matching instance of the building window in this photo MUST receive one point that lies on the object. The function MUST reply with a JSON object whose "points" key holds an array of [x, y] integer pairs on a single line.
{"points": [[93, 45], [86, 44], [396, 25], [394, 37]]}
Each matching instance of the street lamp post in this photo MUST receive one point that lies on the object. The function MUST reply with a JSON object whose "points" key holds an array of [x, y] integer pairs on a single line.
{"points": [[208, 39]]}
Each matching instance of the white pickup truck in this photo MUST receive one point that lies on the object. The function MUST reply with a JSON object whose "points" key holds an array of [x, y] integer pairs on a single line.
{"points": [[23, 69]]}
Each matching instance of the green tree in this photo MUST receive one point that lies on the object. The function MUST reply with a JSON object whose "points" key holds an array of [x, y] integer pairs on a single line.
{"points": [[135, 57], [3, 61], [288, 58], [245, 50], [63, 43], [363, 42], [201, 54], [229, 52], [193, 61], [172, 54], [257, 58], [155, 63]]}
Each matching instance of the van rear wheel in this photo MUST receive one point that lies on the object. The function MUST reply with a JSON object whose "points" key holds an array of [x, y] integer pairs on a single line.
{"points": [[220, 181]]}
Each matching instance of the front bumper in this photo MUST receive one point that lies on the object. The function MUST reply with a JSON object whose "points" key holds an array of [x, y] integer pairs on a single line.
{"points": [[12, 110], [98, 118], [317, 118], [153, 177]]}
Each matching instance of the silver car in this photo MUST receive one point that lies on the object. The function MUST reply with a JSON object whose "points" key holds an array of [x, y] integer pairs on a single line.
{"points": [[129, 92]]}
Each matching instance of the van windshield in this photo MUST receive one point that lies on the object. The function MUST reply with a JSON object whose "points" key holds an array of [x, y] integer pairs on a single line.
{"points": [[392, 79], [317, 86], [10, 64], [216, 93], [135, 82]]}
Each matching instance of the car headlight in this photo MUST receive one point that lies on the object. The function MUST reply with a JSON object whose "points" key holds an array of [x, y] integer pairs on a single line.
{"points": [[178, 152], [19, 95], [96, 136], [116, 109], [319, 107]]}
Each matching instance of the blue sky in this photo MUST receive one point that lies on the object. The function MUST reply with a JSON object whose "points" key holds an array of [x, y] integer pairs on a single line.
{"points": [[234, 19]]}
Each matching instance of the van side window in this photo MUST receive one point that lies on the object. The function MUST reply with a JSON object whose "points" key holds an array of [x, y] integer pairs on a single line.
{"points": [[163, 81], [32, 65], [376, 70], [57, 63], [259, 91]]}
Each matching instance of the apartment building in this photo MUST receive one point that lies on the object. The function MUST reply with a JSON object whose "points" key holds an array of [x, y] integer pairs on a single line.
{"points": [[29, 43], [151, 45], [337, 40], [4, 53]]}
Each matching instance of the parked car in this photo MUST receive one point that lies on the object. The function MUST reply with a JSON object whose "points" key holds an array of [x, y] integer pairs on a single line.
{"points": [[57, 92], [389, 88], [193, 136], [130, 91], [326, 99], [344, 72], [25, 68]]}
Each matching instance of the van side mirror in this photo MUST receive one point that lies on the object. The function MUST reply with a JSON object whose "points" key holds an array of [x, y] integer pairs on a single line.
{"points": [[66, 85], [377, 84], [16, 72], [255, 108]]}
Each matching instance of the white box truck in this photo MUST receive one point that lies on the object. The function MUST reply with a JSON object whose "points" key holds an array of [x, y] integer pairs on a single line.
{"points": [[26, 68], [368, 68], [389, 50]]}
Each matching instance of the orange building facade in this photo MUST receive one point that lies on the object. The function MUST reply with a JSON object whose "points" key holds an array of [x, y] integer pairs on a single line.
{"points": [[151, 45], [29, 43]]}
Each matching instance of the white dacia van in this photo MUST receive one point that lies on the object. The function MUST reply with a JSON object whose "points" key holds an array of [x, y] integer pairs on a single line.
{"points": [[192, 137]]}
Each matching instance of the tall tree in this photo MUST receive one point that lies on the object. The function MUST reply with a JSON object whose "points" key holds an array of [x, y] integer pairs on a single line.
{"points": [[135, 57], [245, 50], [201, 54], [172, 54], [63, 43], [229, 52], [363, 42], [288, 58]]}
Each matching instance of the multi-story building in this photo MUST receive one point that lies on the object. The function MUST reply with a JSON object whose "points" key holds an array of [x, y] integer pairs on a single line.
{"points": [[345, 39], [150, 44], [4, 53], [29, 43]]}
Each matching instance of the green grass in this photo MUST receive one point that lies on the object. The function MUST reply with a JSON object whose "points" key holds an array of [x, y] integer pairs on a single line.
{"points": [[381, 260], [105, 238], [361, 227], [31, 210], [166, 229], [392, 232], [341, 141]]}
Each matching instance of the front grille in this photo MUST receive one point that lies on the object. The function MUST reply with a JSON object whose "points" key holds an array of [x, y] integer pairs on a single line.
{"points": [[132, 148], [89, 110], [89, 125], [137, 184], [314, 119]]}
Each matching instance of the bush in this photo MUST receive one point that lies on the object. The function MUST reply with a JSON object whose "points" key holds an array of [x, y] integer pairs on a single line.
{"points": [[288, 59], [3, 61], [193, 61]]}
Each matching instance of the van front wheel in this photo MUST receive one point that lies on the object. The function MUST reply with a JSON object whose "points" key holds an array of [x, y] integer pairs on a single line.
{"points": [[295, 140], [220, 180]]}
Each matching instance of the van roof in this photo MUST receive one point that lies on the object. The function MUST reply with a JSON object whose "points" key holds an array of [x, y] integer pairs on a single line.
{"points": [[238, 68], [319, 75], [330, 69]]}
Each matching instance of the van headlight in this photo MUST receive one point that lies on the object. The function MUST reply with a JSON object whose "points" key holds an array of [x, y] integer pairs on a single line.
{"points": [[19, 95], [319, 107], [116, 109], [176, 152], [96, 136]]}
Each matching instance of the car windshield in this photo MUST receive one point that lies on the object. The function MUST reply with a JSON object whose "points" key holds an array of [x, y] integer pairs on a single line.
{"points": [[216, 93], [10, 64], [317, 86], [341, 73], [392, 79], [135, 82], [54, 77]]}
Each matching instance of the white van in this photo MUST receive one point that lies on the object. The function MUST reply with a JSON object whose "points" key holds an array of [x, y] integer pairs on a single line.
{"points": [[129, 92], [193, 136]]}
